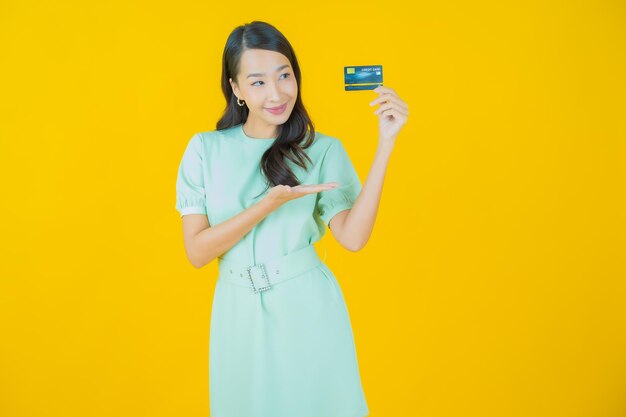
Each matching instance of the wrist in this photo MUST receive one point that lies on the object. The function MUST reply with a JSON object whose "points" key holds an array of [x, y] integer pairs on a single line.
{"points": [[386, 145], [268, 203]]}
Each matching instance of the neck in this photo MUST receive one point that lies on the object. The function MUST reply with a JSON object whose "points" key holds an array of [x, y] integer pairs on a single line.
{"points": [[259, 130]]}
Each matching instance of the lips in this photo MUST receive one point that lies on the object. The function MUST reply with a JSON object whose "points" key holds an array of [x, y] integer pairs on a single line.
{"points": [[277, 108]]}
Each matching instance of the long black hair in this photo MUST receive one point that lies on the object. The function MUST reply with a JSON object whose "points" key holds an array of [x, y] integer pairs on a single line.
{"points": [[289, 142]]}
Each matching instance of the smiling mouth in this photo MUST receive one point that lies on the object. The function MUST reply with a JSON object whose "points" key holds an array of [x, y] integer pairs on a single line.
{"points": [[277, 108]]}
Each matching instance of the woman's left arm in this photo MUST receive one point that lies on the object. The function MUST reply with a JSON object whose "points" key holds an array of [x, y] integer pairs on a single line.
{"points": [[353, 227]]}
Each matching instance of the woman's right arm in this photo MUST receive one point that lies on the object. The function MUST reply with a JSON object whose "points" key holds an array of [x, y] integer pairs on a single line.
{"points": [[204, 242]]}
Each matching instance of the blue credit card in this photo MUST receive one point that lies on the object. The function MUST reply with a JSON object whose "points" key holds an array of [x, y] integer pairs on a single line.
{"points": [[363, 77]]}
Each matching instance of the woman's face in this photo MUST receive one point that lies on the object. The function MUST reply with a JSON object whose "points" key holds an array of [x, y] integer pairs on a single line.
{"points": [[265, 80]]}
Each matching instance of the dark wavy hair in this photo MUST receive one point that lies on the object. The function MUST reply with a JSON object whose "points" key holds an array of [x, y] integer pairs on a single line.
{"points": [[291, 134]]}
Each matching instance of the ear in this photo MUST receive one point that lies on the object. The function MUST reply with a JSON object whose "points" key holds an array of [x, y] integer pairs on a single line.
{"points": [[234, 87]]}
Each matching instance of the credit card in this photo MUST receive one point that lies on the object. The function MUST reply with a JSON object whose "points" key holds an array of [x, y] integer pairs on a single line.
{"points": [[363, 77]]}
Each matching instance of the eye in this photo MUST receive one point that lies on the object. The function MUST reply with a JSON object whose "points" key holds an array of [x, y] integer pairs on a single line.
{"points": [[286, 73]]}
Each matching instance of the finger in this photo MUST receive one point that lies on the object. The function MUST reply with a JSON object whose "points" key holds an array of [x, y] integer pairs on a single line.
{"points": [[382, 108], [386, 98], [391, 106], [324, 185], [316, 188], [390, 98], [383, 89], [395, 114]]}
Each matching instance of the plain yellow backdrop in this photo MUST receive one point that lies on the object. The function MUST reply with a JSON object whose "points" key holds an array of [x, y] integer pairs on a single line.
{"points": [[492, 286]]}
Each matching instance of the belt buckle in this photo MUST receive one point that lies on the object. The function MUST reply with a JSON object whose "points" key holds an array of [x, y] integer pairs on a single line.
{"points": [[258, 278]]}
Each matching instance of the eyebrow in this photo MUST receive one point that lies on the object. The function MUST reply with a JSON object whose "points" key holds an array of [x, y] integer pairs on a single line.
{"points": [[260, 74]]}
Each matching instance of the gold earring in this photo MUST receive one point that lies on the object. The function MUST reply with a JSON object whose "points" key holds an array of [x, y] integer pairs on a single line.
{"points": [[241, 104]]}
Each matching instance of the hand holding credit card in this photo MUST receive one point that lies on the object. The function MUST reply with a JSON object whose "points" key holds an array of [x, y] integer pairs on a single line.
{"points": [[392, 113]]}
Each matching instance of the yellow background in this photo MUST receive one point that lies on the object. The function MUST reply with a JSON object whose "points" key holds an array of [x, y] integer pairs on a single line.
{"points": [[493, 284]]}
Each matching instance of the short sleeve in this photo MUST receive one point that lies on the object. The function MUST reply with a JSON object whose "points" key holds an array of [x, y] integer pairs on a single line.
{"points": [[190, 193], [337, 167]]}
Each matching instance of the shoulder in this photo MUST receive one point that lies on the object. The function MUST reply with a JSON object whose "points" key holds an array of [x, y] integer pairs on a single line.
{"points": [[331, 147], [206, 139], [326, 143], [214, 135]]}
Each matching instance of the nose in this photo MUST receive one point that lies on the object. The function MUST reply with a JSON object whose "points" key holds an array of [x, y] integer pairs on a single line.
{"points": [[274, 92]]}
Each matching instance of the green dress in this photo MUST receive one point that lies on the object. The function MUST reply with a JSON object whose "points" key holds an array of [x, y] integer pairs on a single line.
{"points": [[288, 351]]}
